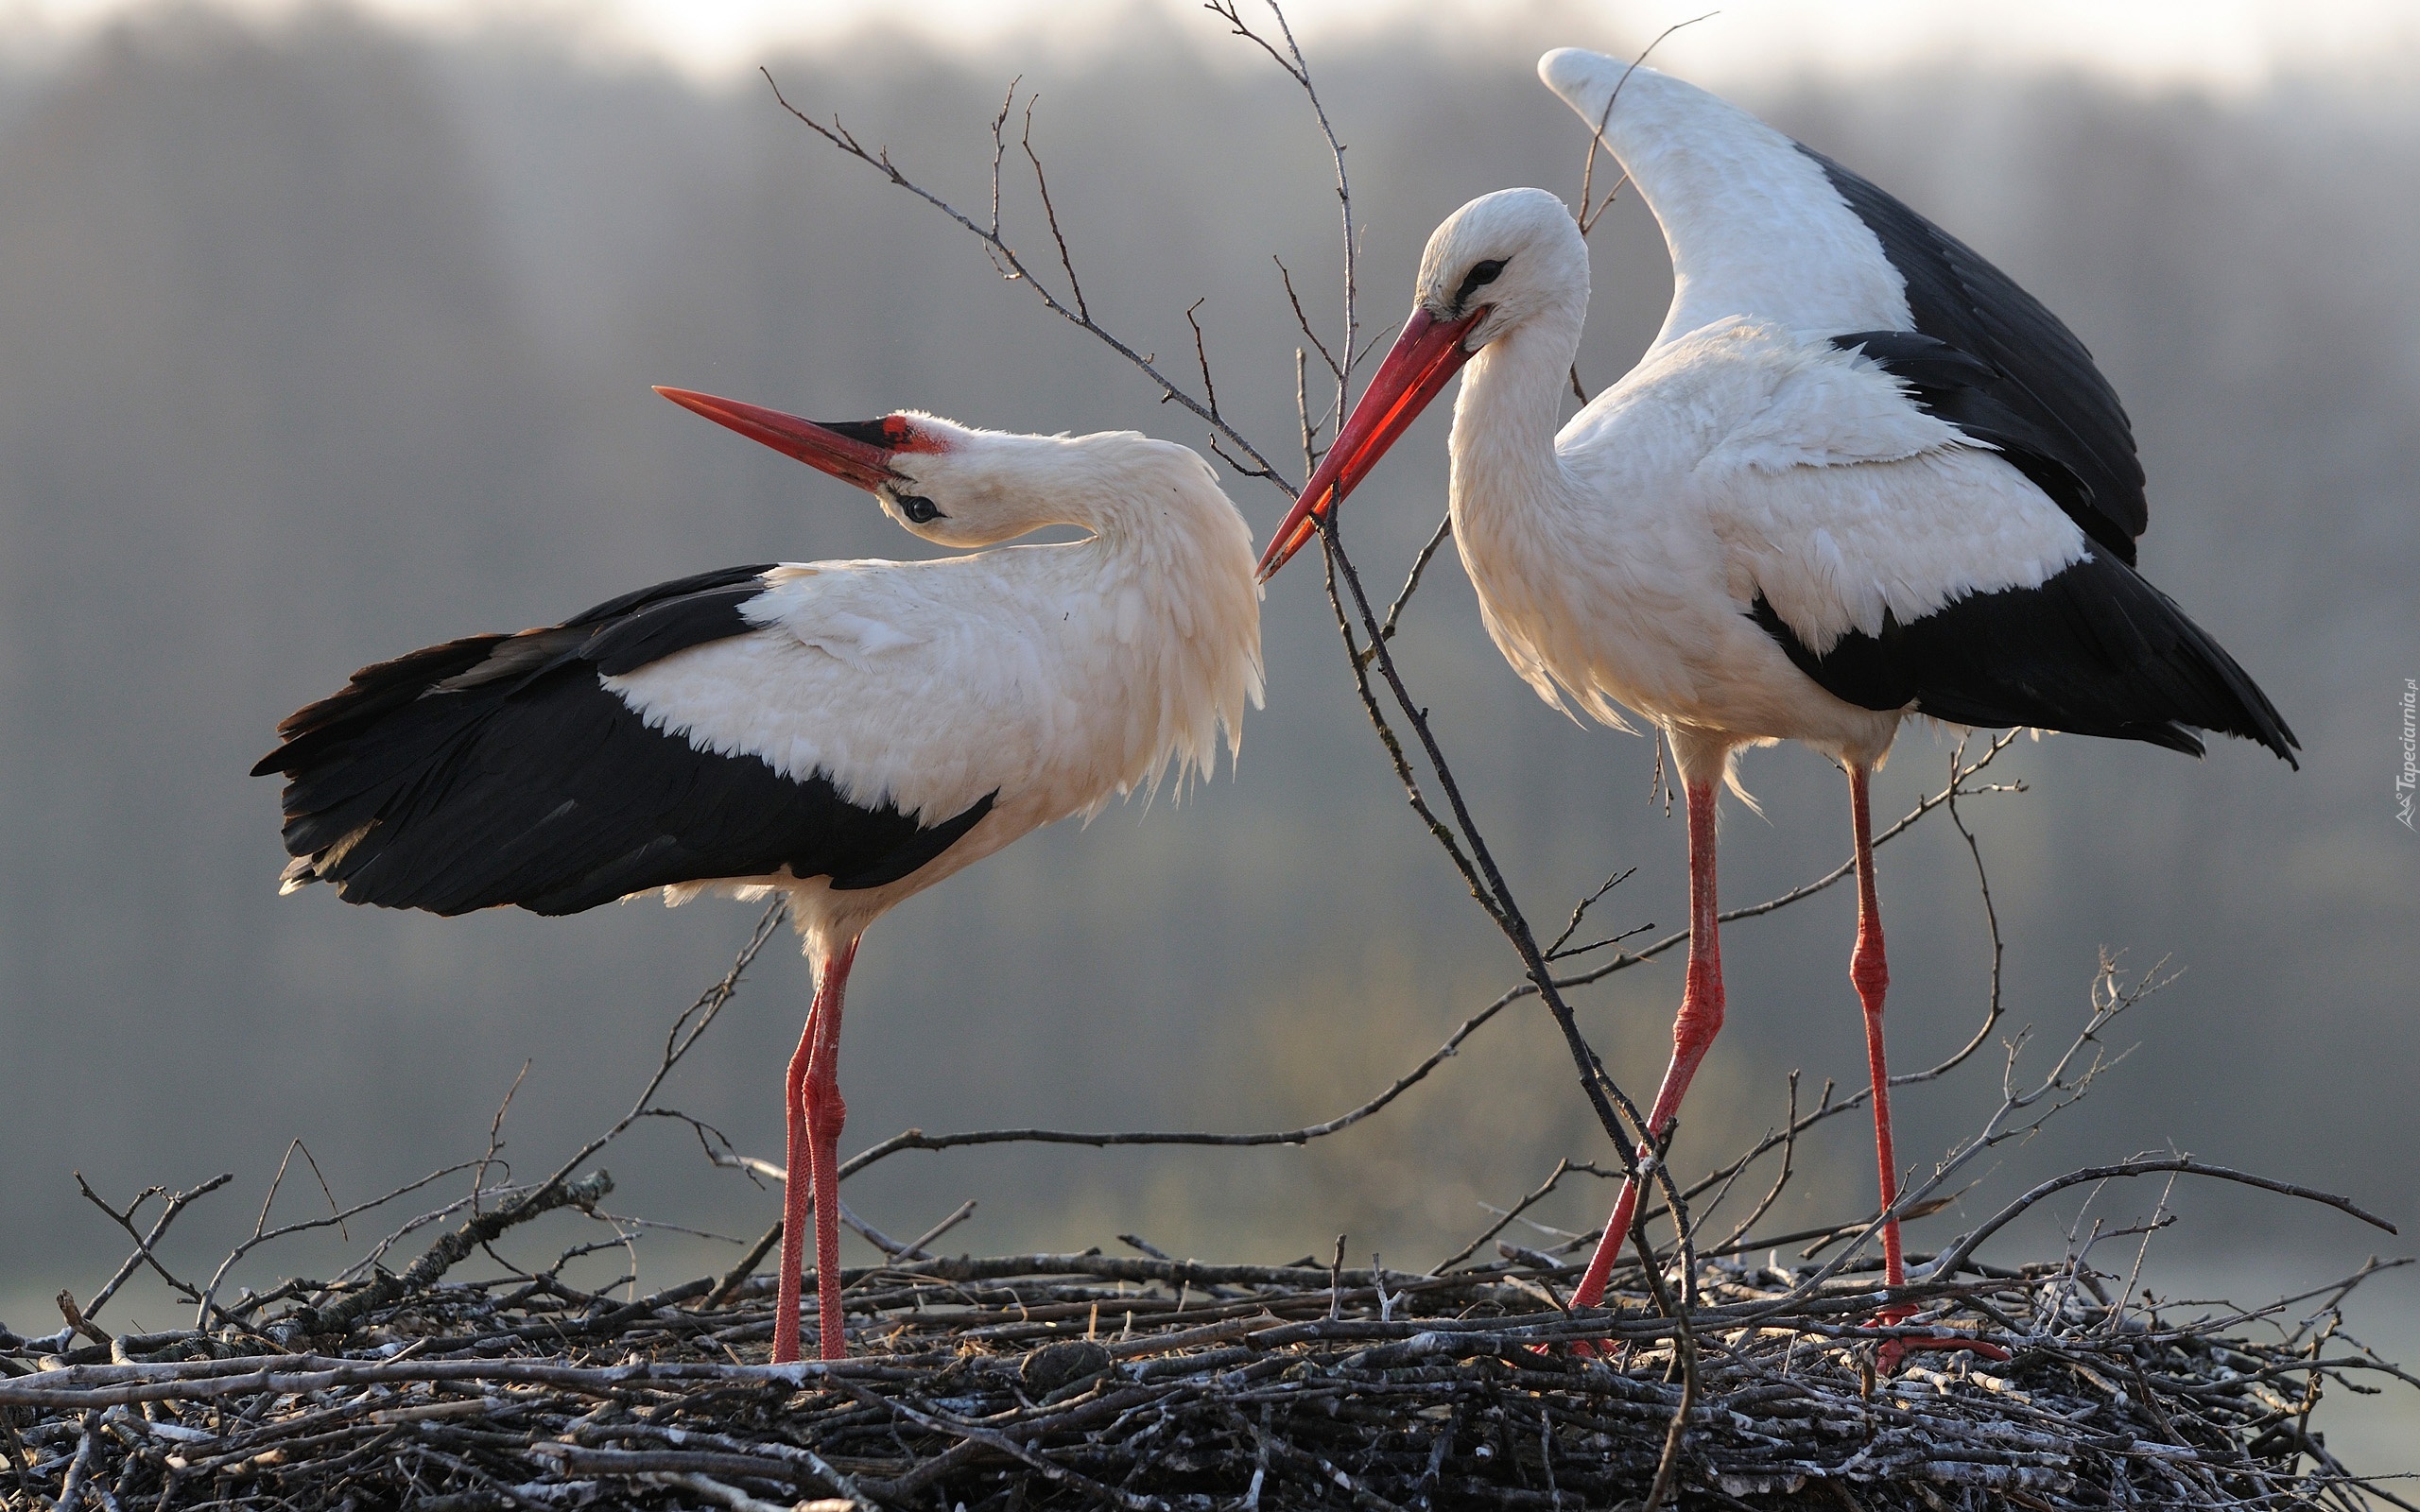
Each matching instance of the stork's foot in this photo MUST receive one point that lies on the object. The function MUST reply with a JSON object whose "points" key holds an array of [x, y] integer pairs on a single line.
{"points": [[1895, 1351]]}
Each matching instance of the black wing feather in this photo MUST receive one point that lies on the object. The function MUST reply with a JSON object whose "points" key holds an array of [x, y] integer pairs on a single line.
{"points": [[2038, 387], [2096, 650], [499, 770]]}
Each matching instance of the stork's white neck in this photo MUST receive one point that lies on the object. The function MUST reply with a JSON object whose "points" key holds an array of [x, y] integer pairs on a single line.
{"points": [[1505, 419]]}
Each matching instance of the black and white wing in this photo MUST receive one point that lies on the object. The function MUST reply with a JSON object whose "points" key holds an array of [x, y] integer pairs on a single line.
{"points": [[507, 769], [2003, 626]]}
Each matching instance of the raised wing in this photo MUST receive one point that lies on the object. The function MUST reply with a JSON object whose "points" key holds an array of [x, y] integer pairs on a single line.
{"points": [[1763, 227]]}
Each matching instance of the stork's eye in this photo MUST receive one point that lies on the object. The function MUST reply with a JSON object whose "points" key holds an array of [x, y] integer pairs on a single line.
{"points": [[917, 510], [1480, 275]]}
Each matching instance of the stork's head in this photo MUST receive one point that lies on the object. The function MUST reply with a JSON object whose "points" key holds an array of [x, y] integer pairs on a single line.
{"points": [[1496, 266], [1499, 261], [952, 485]]}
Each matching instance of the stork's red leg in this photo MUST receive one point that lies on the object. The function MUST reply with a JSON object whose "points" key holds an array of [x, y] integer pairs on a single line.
{"points": [[815, 1115], [794, 1194], [1693, 1032], [1871, 971]]}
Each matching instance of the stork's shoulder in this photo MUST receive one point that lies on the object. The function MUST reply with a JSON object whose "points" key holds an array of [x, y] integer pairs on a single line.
{"points": [[1742, 394]]}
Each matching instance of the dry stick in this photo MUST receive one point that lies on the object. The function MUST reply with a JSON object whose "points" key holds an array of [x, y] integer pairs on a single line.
{"points": [[71, 1493], [1312, 453], [1302, 321], [479, 1177], [692, 1023], [1504, 1221], [1049, 211], [2161, 1218], [915, 1250], [1014, 267], [440, 1257], [1586, 217], [1579, 914], [733, 1278], [1412, 583], [989, 1439], [1958, 1253], [1789, 1150], [1982, 885], [1437, 829], [1684, 1352], [261, 1235], [142, 1242], [78, 1322], [2053, 1094], [2336, 1294]]}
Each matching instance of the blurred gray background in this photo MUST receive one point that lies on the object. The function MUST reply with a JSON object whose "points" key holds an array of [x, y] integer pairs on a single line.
{"points": [[319, 341]]}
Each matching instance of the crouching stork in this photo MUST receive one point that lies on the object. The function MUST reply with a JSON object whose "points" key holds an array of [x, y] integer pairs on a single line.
{"points": [[843, 733]]}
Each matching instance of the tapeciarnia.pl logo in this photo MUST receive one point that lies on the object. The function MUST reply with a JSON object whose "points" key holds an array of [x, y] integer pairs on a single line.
{"points": [[2409, 778]]}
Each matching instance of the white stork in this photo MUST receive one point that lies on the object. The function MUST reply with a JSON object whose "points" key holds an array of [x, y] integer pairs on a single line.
{"points": [[1859, 476], [846, 733]]}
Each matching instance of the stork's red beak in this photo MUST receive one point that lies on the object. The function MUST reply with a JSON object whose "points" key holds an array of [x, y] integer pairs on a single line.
{"points": [[1427, 355], [844, 457]]}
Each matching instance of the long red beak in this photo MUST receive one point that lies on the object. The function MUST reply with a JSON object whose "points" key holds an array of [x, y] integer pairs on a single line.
{"points": [[1425, 356], [844, 457]]}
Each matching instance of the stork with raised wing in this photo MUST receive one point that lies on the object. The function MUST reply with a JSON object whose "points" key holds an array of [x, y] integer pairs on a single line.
{"points": [[1859, 476], [844, 734]]}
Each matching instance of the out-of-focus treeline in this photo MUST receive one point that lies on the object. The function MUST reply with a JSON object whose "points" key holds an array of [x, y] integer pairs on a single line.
{"points": [[318, 343]]}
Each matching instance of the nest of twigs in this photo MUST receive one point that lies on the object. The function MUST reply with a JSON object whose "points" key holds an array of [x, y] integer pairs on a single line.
{"points": [[1141, 1382]]}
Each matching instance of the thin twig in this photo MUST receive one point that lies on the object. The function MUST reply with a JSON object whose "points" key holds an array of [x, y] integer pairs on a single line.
{"points": [[144, 1243], [1050, 213], [1014, 267], [1412, 579]]}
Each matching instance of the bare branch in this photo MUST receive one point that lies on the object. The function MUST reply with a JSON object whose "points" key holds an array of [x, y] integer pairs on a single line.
{"points": [[1303, 321], [1789, 1150], [1504, 1219], [208, 1303], [1412, 581], [1014, 268], [144, 1241], [1050, 213], [478, 1177], [1586, 216], [1202, 353], [1958, 1253]]}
